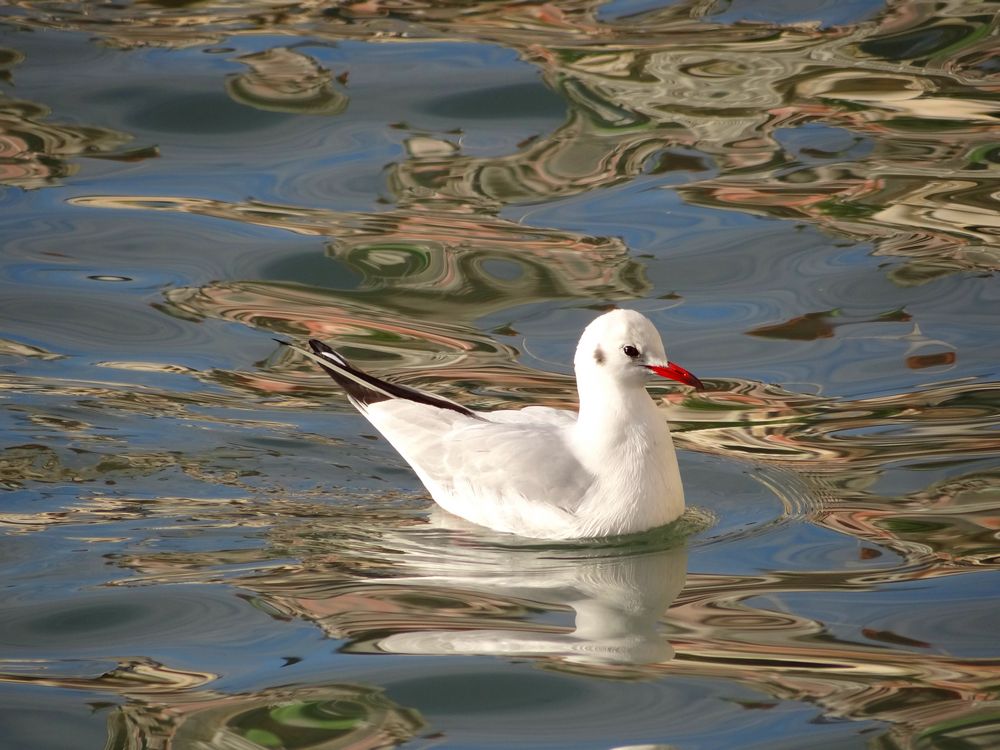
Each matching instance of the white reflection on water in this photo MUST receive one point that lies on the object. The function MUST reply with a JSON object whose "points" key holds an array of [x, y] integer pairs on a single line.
{"points": [[617, 603]]}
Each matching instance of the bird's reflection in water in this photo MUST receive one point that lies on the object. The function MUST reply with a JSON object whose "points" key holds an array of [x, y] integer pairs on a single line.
{"points": [[616, 596], [616, 604], [389, 581]]}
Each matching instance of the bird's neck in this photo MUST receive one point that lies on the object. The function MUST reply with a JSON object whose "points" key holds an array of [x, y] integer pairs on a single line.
{"points": [[610, 411], [623, 439], [619, 425]]}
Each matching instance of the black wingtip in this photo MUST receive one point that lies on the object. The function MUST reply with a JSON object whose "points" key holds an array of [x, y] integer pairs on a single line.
{"points": [[283, 343], [328, 353], [365, 389]]}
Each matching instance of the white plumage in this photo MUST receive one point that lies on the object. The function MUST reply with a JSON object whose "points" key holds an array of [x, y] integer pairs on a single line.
{"points": [[539, 472]]}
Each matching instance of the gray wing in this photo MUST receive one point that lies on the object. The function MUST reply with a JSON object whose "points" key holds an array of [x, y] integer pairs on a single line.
{"points": [[509, 470], [533, 415], [479, 468], [525, 461]]}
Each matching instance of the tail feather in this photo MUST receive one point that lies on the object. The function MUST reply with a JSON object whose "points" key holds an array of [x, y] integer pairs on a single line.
{"points": [[364, 389]]}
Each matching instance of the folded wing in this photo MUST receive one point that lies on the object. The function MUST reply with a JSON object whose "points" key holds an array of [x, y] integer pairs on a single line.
{"points": [[491, 468]]}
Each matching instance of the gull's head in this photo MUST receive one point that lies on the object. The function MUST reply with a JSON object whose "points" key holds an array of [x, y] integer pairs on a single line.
{"points": [[625, 347]]}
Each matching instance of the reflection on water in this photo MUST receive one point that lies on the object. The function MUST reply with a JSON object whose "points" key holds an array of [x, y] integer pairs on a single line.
{"points": [[35, 152], [204, 546], [287, 81], [329, 716], [480, 601]]}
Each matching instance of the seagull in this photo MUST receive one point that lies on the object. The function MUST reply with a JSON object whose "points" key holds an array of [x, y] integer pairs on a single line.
{"points": [[609, 469]]}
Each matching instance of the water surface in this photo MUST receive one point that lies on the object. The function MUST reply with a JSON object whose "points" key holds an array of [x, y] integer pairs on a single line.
{"points": [[204, 546]]}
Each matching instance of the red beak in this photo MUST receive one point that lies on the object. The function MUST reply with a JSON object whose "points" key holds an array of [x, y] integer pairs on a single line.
{"points": [[678, 373]]}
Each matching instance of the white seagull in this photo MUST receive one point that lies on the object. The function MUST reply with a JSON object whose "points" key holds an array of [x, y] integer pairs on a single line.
{"points": [[608, 470]]}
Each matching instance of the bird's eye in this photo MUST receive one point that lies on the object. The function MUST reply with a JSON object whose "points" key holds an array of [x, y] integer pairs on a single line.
{"points": [[630, 351]]}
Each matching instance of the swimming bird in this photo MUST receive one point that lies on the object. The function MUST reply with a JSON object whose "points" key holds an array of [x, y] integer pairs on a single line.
{"points": [[607, 470]]}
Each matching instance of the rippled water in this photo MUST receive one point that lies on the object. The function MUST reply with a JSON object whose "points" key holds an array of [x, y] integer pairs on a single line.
{"points": [[203, 546]]}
